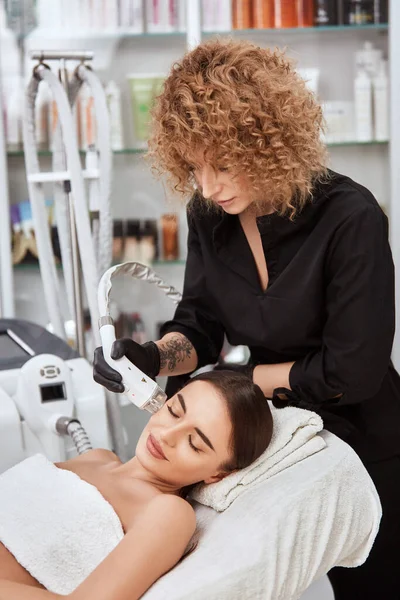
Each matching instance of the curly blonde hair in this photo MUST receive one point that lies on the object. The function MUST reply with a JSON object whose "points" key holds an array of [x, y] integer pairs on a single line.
{"points": [[246, 110]]}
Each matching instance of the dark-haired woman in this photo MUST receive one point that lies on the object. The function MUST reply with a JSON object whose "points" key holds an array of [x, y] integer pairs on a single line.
{"points": [[216, 424], [285, 257]]}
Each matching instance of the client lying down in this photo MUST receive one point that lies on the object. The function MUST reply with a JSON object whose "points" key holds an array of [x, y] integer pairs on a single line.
{"points": [[218, 423]]}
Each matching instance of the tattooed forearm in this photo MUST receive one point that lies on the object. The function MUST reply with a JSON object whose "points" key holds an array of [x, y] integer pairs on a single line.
{"points": [[176, 349]]}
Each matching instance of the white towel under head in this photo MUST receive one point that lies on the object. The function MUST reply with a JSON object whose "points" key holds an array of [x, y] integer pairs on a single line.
{"points": [[294, 438], [41, 505]]}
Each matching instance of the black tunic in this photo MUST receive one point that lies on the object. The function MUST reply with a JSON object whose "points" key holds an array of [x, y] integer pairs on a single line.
{"points": [[329, 306]]}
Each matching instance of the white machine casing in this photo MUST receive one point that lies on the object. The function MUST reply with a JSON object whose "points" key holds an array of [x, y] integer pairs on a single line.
{"points": [[142, 391], [139, 389], [26, 397]]}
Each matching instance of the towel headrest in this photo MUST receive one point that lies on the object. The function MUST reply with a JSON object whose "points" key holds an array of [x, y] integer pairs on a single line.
{"points": [[294, 438]]}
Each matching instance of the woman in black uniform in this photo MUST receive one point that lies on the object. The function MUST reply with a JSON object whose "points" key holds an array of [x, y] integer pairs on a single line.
{"points": [[286, 257]]}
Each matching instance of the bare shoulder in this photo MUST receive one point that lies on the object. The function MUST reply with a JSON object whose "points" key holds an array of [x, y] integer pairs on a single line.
{"points": [[175, 509], [99, 455]]}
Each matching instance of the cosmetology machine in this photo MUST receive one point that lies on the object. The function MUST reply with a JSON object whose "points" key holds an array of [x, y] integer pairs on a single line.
{"points": [[49, 403], [41, 379], [82, 211], [142, 391]]}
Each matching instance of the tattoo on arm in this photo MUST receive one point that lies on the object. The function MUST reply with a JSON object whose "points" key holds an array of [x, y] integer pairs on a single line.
{"points": [[173, 351]]}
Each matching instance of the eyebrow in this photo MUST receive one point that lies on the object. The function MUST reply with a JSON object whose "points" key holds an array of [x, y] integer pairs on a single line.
{"points": [[201, 434]]}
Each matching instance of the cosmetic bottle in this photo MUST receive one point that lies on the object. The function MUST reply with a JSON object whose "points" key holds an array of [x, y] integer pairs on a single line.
{"points": [[118, 241], [263, 14], [223, 15], [241, 14], [161, 16], [285, 14], [148, 243], [381, 104], [381, 11], [358, 12], [369, 59], [169, 223], [216, 16], [132, 241], [88, 118], [42, 116], [325, 13], [14, 114], [113, 95], [363, 106], [305, 13], [131, 17]]}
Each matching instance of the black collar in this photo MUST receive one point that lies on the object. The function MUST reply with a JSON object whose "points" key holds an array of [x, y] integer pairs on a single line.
{"points": [[229, 239]]}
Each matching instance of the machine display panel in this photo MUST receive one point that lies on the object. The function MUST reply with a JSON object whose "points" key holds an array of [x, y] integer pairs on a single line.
{"points": [[52, 392]]}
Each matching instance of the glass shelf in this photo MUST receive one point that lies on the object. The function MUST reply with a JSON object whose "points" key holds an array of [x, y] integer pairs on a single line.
{"points": [[157, 263], [166, 263], [20, 153], [356, 143], [126, 33], [336, 28]]}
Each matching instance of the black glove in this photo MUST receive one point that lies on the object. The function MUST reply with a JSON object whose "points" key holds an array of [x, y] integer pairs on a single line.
{"points": [[145, 357], [245, 369]]}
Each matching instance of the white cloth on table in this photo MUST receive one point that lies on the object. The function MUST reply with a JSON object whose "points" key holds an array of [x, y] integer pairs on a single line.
{"points": [[279, 535], [282, 534]]}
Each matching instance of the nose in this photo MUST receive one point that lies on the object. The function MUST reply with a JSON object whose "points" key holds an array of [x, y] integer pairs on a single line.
{"points": [[170, 436], [209, 181]]}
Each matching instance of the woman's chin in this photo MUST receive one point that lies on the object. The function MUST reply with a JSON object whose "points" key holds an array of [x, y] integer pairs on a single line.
{"points": [[235, 207]]}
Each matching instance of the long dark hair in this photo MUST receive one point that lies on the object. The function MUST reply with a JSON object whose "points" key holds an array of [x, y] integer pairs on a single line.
{"points": [[249, 413]]}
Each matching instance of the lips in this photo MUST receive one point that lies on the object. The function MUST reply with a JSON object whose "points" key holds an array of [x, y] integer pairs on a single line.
{"points": [[222, 202], [154, 448]]}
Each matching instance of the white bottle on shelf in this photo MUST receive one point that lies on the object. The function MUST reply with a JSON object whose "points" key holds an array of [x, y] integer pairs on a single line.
{"points": [[381, 104], [88, 125], [162, 16], [113, 95], [363, 106], [42, 107], [131, 16], [223, 15], [368, 59], [110, 10], [182, 16], [14, 113]]}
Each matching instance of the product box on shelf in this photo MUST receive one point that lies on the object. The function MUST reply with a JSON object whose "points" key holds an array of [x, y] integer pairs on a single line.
{"points": [[144, 87]]}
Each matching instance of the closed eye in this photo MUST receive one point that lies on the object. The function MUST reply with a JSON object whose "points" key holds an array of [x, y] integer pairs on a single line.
{"points": [[192, 446], [172, 412], [190, 437]]}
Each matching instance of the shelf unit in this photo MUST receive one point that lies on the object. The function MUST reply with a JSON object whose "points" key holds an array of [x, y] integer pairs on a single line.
{"points": [[20, 153], [156, 263], [126, 33], [329, 48]]}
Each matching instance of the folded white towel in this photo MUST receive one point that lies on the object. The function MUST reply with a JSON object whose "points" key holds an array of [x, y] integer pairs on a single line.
{"points": [[57, 526], [294, 438]]}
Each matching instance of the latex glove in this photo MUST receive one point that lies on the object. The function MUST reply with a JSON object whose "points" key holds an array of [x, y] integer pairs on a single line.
{"points": [[145, 357]]}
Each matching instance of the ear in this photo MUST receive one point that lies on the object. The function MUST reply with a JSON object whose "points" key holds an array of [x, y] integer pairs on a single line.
{"points": [[217, 477]]}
